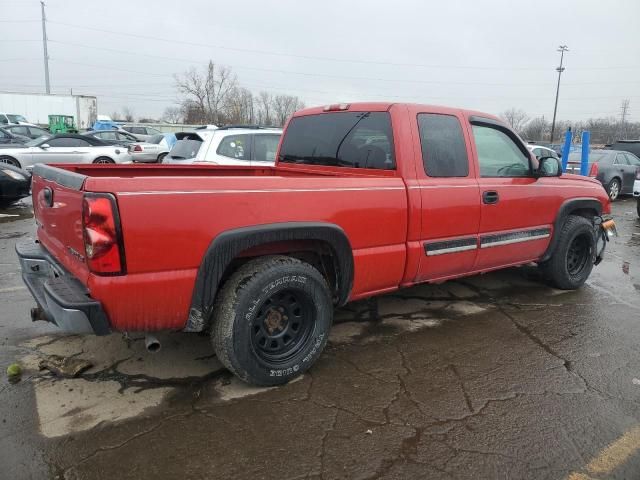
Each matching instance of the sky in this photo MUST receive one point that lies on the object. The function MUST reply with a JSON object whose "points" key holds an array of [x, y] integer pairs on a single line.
{"points": [[488, 55]]}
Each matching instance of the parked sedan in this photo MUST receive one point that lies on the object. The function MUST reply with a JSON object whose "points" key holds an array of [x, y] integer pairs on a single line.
{"points": [[153, 150], [112, 137], [27, 131], [141, 132], [14, 184], [615, 169], [7, 138], [63, 148]]}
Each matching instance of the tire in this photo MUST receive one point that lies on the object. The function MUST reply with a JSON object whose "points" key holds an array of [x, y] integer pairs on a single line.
{"points": [[613, 189], [272, 320], [10, 161], [161, 157], [572, 261], [103, 160], [638, 207]]}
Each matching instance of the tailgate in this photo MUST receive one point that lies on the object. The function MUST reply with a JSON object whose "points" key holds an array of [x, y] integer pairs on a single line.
{"points": [[57, 206]]}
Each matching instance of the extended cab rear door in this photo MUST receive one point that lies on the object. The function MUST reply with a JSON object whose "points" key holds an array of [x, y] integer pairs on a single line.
{"points": [[450, 213], [517, 209]]}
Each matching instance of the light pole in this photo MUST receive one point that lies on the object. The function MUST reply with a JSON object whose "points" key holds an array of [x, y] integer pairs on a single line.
{"points": [[44, 46], [560, 69]]}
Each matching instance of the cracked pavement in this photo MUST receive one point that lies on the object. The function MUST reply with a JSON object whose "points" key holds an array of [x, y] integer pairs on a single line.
{"points": [[493, 376]]}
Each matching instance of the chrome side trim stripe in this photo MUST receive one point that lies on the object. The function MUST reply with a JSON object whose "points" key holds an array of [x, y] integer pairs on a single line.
{"points": [[450, 246], [496, 240]]}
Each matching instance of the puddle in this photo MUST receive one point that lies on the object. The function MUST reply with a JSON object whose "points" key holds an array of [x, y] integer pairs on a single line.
{"points": [[16, 211]]}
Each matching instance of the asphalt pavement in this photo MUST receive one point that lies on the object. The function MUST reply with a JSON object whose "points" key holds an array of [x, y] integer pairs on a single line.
{"points": [[495, 376]]}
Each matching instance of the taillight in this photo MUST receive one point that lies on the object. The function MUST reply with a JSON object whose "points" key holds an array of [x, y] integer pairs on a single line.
{"points": [[593, 171], [102, 234], [137, 148], [637, 173]]}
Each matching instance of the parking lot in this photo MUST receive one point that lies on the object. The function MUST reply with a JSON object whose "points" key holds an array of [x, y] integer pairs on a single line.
{"points": [[493, 376]]}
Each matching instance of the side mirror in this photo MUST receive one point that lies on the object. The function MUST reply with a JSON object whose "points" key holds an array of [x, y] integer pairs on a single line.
{"points": [[44, 146], [549, 167]]}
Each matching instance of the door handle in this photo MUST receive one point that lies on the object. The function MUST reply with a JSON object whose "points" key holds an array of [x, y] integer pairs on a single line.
{"points": [[490, 197]]}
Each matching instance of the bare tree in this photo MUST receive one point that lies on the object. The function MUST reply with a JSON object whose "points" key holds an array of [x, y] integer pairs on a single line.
{"points": [[127, 114], [172, 115], [284, 106], [536, 129], [264, 114], [240, 107], [115, 116], [207, 92], [516, 118]]}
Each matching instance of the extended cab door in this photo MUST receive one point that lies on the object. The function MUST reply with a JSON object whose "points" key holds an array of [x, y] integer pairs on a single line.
{"points": [[450, 197], [517, 209]]}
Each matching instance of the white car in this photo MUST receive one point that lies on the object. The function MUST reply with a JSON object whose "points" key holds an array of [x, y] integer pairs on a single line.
{"points": [[63, 148], [247, 146], [14, 119], [539, 151], [153, 150], [141, 132]]}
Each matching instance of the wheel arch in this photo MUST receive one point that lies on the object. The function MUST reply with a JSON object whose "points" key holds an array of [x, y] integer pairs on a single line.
{"points": [[14, 159], [324, 245], [584, 207]]}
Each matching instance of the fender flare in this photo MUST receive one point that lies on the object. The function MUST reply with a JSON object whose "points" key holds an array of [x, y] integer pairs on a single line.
{"points": [[229, 244], [568, 207]]}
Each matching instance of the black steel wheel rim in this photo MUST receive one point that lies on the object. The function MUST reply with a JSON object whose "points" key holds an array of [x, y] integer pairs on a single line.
{"points": [[282, 326], [579, 254]]}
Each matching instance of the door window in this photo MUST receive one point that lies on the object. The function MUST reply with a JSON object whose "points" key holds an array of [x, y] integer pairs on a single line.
{"points": [[108, 135], [21, 131], [265, 147], [235, 146], [498, 154], [67, 142], [444, 153], [633, 160], [621, 159]]}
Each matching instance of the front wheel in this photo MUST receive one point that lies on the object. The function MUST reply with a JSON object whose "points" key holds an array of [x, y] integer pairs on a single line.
{"points": [[613, 189], [272, 320], [572, 261]]}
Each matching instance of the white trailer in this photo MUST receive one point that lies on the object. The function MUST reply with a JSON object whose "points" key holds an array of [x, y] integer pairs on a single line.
{"points": [[36, 107]]}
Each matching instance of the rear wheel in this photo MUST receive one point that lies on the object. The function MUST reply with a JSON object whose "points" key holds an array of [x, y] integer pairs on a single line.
{"points": [[572, 261], [272, 320], [9, 160], [161, 157], [103, 160], [613, 189]]}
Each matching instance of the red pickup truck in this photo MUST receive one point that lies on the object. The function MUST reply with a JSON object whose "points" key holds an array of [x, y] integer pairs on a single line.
{"points": [[364, 199]]}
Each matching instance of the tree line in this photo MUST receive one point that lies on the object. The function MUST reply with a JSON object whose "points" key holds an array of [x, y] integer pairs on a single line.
{"points": [[603, 130], [213, 95]]}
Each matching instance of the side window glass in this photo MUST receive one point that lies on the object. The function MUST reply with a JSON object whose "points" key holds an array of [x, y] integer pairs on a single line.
{"points": [[621, 159], [265, 147], [444, 153], [235, 146], [3, 120], [498, 154], [3, 135], [21, 131], [633, 160], [60, 142]]}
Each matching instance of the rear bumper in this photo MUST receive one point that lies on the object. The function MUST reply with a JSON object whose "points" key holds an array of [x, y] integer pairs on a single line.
{"points": [[636, 188], [63, 299]]}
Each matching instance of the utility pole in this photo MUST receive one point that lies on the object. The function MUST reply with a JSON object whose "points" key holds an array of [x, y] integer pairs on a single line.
{"points": [[560, 69], [624, 110], [44, 46]]}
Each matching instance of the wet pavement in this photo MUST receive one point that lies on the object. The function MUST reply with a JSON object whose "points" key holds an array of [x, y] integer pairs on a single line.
{"points": [[494, 376]]}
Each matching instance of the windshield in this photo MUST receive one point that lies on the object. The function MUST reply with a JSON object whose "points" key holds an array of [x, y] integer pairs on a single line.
{"points": [[345, 139], [185, 149], [16, 118], [36, 141], [594, 157]]}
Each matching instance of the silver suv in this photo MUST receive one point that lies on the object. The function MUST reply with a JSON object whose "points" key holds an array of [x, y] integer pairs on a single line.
{"points": [[241, 145]]}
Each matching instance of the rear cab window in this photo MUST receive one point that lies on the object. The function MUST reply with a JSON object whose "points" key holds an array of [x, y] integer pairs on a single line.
{"points": [[340, 139], [444, 152]]}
